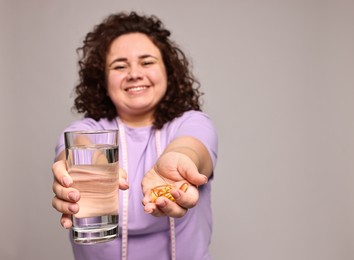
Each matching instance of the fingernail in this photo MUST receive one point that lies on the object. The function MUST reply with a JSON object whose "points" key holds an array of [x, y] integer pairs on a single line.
{"points": [[73, 208], [73, 196], [206, 180], [125, 182], [176, 194], [67, 181], [148, 211], [65, 225]]}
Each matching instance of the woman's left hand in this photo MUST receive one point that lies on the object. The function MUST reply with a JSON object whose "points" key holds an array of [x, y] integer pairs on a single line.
{"points": [[175, 169]]}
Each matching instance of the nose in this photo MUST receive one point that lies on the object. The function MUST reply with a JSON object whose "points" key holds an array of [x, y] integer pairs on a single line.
{"points": [[134, 73]]}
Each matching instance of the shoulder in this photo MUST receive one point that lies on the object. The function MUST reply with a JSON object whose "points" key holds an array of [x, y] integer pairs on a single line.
{"points": [[189, 117], [190, 121], [82, 125]]}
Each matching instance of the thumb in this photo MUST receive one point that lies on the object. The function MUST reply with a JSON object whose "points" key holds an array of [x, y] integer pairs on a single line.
{"points": [[123, 183], [61, 174], [188, 170]]}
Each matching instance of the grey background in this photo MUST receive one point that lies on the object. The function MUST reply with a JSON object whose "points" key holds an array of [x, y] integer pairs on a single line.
{"points": [[279, 84]]}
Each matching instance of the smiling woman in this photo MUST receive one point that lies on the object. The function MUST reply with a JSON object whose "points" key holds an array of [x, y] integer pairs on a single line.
{"points": [[134, 78], [182, 93]]}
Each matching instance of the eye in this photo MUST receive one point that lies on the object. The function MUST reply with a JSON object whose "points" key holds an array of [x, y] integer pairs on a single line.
{"points": [[119, 67], [148, 62]]}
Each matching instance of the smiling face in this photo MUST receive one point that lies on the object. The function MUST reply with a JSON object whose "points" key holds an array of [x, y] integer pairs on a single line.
{"points": [[136, 78]]}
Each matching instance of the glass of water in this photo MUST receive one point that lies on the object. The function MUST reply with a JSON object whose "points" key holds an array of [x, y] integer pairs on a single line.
{"points": [[92, 161]]}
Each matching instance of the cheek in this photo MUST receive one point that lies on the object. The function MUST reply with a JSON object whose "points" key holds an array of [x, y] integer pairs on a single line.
{"points": [[160, 78], [113, 82]]}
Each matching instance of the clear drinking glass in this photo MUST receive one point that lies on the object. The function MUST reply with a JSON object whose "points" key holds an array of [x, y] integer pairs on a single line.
{"points": [[92, 161]]}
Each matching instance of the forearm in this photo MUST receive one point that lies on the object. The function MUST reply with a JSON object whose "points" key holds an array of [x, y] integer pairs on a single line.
{"points": [[195, 150]]}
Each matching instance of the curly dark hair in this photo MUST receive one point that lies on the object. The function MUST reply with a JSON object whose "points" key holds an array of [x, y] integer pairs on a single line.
{"points": [[91, 99]]}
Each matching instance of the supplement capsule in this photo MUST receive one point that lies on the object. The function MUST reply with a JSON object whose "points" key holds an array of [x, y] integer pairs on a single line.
{"points": [[165, 190]]}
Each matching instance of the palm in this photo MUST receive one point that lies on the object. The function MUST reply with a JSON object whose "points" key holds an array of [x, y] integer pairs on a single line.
{"points": [[166, 171]]}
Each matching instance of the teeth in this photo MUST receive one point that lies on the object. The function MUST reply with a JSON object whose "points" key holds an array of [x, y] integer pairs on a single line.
{"points": [[136, 88]]}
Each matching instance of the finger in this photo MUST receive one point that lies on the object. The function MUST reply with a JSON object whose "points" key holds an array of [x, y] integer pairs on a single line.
{"points": [[186, 199], [194, 177], [123, 183], [146, 200], [64, 206], [66, 221], [61, 174], [190, 172], [152, 209], [198, 179], [170, 208], [67, 194]]}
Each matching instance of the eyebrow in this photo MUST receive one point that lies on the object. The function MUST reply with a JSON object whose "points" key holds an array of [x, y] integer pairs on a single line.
{"points": [[144, 56]]}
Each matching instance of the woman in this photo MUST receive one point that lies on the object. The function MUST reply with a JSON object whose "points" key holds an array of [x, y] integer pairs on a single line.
{"points": [[133, 77]]}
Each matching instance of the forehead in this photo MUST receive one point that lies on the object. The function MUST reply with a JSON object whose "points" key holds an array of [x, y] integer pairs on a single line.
{"points": [[133, 44]]}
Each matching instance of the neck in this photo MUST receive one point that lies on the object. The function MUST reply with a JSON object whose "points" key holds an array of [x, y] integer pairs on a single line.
{"points": [[136, 121]]}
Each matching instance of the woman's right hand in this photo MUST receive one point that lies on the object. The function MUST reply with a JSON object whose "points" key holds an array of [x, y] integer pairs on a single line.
{"points": [[66, 198]]}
